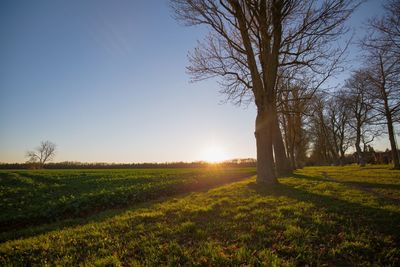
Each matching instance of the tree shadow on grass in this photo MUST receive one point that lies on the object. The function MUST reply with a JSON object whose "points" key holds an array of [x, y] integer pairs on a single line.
{"points": [[308, 177], [368, 185], [371, 185], [342, 228], [376, 219]]}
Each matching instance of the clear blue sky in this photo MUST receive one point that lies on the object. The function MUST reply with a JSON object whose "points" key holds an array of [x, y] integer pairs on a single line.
{"points": [[106, 81]]}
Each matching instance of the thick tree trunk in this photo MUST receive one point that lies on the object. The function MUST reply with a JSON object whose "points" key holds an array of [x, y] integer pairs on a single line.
{"points": [[282, 163], [265, 159], [342, 157], [395, 154], [293, 160], [360, 154]]}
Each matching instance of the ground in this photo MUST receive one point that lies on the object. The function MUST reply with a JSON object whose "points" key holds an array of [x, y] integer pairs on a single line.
{"points": [[319, 216]]}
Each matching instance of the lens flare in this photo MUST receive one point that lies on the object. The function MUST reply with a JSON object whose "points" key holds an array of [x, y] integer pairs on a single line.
{"points": [[214, 154]]}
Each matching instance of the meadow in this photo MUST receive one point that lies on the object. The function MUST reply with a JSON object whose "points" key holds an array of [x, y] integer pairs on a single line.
{"points": [[319, 216]]}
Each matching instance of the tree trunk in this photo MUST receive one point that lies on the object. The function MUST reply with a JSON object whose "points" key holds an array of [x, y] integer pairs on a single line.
{"points": [[360, 154], [265, 159], [395, 154], [282, 163], [287, 134], [297, 153], [342, 157]]}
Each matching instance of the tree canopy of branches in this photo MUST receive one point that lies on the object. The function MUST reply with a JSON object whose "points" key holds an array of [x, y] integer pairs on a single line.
{"points": [[42, 154], [385, 31], [251, 42]]}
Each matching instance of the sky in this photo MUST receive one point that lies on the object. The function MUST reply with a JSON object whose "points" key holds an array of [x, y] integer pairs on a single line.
{"points": [[106, 82]]}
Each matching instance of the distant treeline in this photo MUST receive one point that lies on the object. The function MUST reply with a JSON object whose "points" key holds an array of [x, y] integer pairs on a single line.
{"points": [[248, 162]]}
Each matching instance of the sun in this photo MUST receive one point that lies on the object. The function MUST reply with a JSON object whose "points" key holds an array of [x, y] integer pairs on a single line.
{"points": [[214, 154]]}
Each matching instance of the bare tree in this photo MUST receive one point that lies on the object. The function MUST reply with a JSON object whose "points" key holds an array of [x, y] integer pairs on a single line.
{"points": [[360, 108], [323, 151], [250, 41], [338, 123], [293, 106], [382, 48], [42, 154], [384, 76]]}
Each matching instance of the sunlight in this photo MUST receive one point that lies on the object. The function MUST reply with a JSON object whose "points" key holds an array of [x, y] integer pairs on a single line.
{"points": [[214, 154]]}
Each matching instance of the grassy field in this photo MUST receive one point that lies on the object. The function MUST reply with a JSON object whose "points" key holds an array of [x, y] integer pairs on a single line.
{"points": [[319, 216], [37, 197]]}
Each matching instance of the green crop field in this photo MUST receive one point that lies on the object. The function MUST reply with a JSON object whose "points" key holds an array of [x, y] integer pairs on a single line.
{"points": [[37, 197], [319, 216]]}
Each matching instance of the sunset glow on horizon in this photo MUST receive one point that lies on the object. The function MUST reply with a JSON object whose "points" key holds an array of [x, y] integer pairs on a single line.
{"points": [[214, 154]]}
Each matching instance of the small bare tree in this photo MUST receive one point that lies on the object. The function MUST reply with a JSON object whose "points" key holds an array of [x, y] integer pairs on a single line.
{"points": [[42, 154]]}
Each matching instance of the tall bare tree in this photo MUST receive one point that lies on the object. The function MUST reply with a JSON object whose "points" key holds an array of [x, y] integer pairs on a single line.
{"points": [[42, 154], [338, 123], [250, 41], [382, 48], [360, 107], [384, 76], [293, 106], [323, 149]]}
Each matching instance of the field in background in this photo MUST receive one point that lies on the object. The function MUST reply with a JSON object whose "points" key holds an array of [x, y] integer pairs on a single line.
{"points": [[45, 196], [334, 216]]}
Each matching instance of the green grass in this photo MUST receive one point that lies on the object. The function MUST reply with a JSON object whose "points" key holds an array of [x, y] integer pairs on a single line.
{"points": [[35, 197], [378, 179], [306, 219]]}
